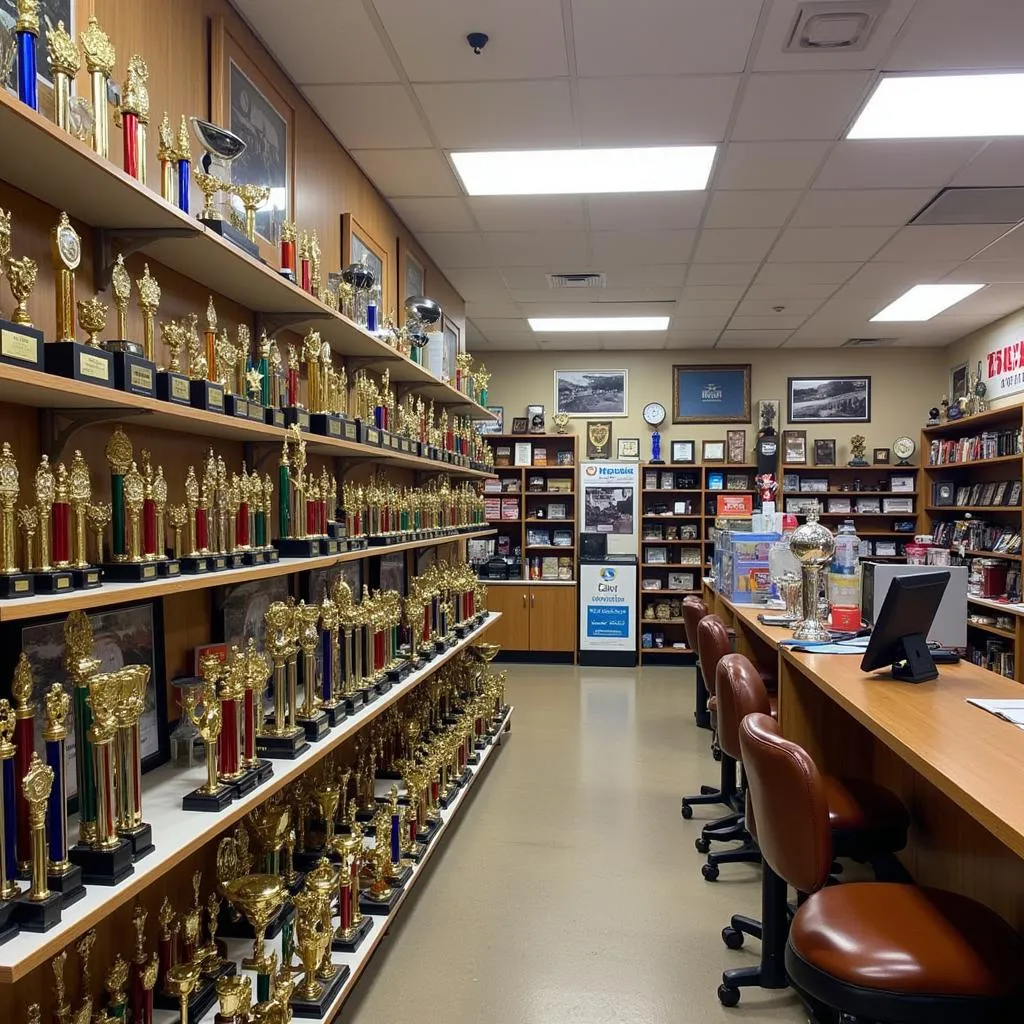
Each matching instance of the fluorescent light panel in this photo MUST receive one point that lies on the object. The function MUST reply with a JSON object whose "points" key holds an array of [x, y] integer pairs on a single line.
{"points": [[943, 107], [598, 324], [924, 301], [585, 171]]}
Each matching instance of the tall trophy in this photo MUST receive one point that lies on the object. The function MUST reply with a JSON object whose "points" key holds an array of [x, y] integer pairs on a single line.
{"points": [[99, 62], [813, 545], [310, 716], [38, 909], [281, 735], [21, 344], [203, 708], [8, 825], [13, 582], [133, 371]]}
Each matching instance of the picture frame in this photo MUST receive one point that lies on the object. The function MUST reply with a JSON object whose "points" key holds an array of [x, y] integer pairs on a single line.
{"points": [[357, 242], [880, 456], [656, 556], [737, 482], [901, 482], [414, 277], [240, 608], [958, 376], [246, 101], [599, 439], [825, 451], [736, 447], [829, 399], [716, 481], [520, 425], [814, 485], [627, 449], [794, 447], [586, 393], [712, 451], [452, 335], [535, 414], [710, 393], [389, 572], [523, 455], [683, 453], [495, 426]]}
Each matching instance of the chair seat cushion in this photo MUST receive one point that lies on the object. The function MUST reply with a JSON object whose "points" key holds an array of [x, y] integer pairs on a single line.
{"points": [[903, 939], [854, 804]]}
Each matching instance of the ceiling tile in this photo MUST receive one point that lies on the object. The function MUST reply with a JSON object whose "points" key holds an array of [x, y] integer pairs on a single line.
{"points": [[833, 245], [664, 275], [654, 110], [503, 327], [888, 281], [646, 211], [753, 209], [774, 294], [476, 284], [995, 299], [721, 273], [949, 34], [940, 242], [495, 115], [988, 271], [806, 273], [536, 248], [530, 298], [1010, 247], [494, 309], [772, 57], [799, 106], [410, 172], [528, 213], [369, 116], [660, 37], [569, 342], [761, 307], [527, 39], [760, 165], [645, 342], [836, 341], [733, 245], [828, 208], [339, 45], [999, 163], [713, 291], [434, 214], [599, 298], [455, 248], [772, 322], [752, 339], [614, 248], [681, 322], [691, 339], [555, 305], [895, 163], [691, 308]]}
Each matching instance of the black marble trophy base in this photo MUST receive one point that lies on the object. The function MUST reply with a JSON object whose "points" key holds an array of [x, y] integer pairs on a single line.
{"points": [[285, 748], [350, 943], [68, 883], [16, 585], [462, 630], [217, 562], [295, 415], [334, 714], [140, 839], [191, 565], [234, 561], [103, 867], [330, 546], [38, 915], [134, 374], [8, 924], [216, 801], [231, 234], [416, 853], [316, 727], [325, 423], [271, 555], [205, 395], [84, 363], [246, 782], [21, 345], [168, 568], [368, 905], [292, 547], [382, 687], [173, 387], [368, 434], [447, 798], [235, 405], [317, 1008], [129, 572], [258, 557], [400, 877], [426, 834], [86, 579], [273, 417], [53, 582], [353, 703], [399, 672]]}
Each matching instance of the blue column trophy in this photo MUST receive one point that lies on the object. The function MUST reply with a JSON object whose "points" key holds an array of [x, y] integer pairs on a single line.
{"points": [[26, 31], [654, 416]]}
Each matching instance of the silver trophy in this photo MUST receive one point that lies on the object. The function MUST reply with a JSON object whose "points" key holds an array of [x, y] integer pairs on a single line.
{"points": [[813, 545], [421, 313]]}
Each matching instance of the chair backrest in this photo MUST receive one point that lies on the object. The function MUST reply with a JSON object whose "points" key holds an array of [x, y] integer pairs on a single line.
{"points": [[713, 644], [789, 803], [740, 692], [694, 609]]}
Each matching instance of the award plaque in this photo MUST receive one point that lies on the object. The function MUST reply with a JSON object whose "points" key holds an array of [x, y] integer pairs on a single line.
{"points": [[599, 439]]}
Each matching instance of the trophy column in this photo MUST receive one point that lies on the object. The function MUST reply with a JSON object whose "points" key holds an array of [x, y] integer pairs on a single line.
{"points": [[310, 717], [203, 708], [38, 910], [26, 30], [330, 659], [128, 746], [8, 825], [99, 62], [281, 737], [24, 741], [257, 671], [13, 583]]}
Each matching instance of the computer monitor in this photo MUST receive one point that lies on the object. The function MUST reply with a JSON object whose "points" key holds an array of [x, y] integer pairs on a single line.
{"points": [[900, 636]]}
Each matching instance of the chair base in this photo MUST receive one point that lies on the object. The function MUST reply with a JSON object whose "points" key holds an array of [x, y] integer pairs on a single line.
{"points": [[748, 853]]}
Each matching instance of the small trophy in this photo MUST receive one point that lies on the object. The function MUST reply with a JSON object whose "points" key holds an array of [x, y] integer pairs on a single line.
{"points": [[171, 384], [13, 582], [322, 980], [21, 344], [8, 825], [281, 736], [135, 117], [203, 708], [99, 62], [133, 372]]}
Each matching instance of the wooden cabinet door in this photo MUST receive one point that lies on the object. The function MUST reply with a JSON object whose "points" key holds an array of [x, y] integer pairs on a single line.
{"points": [[553, 618], [512, 630]]}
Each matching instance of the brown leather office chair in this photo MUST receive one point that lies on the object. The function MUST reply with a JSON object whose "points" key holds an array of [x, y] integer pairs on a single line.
{"points": [[872, 951], [866, 822], [694, 609]]}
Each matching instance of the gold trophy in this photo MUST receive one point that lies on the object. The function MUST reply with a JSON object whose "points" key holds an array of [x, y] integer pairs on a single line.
{"points": [[134, 370], [65, 62], [203, 708], [13, 583], [99, 62], [39, 908], [282, 737], [314, 721], [21, 344]]}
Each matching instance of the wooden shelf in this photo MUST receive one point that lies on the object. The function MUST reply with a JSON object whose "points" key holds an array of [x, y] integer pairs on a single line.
{"points": [[665, 592], [532, 437], [941, 467], [670, 515], [853, 494], [110, 594], [658, 540], [645, 651], [866, 515], [1007, 634], [664, 622], [673, 490], [977, 553], [569, 548], [968, 425], [178, 834], [569, 522], [873, 467], [954, 509], [548, 494], [668, 565]]}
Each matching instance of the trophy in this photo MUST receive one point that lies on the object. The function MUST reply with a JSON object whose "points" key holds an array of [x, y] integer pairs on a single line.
{"points": [[65, 62], [281, 736], [294, 487], [134, 111], [168, 161], [331, 660], [8, 824], [38, 909], [287, 268], [203, 708], [235, 995], [128, 562], [26, 30], [313, 935], [20, 342], [171, 384], [314, 721], [133, 371], [183, 160], [813, 545], [99, 62], [858, 445], [13, 582]]}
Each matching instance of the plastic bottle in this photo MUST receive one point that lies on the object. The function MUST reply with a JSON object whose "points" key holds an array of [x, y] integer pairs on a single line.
{"points": [[844, 579]]}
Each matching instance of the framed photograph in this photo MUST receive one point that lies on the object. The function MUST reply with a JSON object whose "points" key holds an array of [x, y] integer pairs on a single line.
{"points": [[814, 485], [650, 584], [825, 452], [535, 414], [452, 347], [881, 457], [656, 556], [628, 449], [520, 424], [794, 447], [901, 482], [957, 383], [711, 394], [523, 454], [716, 481], [243, 605], [842, 505], [588, 393], [50, 12], [737, 482], [736, 446], [885, 548], [563, 458], [390, 572], [680, 581], [357, 245], [495, 426], [791, 481], [712, 451], [684, 453], [899, 506], [130, 634], [415, 278], [244, 100], [829, 399]]}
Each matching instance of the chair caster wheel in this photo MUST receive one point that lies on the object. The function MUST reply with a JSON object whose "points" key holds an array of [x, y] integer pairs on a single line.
{"points": [[702, 845], [716, 754], [686, 811], [732, 937], [710, 872], [728, 996]]}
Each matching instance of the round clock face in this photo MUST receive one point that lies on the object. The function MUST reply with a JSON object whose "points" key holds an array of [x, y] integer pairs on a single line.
{"points": [[70, 247], [903, 447], [654, 413]]}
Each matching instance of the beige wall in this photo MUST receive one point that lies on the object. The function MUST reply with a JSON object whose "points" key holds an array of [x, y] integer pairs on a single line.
{"points": [[905, 382], [970, 349]]}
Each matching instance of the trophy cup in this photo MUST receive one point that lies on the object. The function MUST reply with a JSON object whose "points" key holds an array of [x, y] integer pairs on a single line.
{"points": [[314, 721], [313, 940], [203, 708], [171, 384], [168, 161], [813, 545], [66, 357], [65, 62], [8, 825], [222, 147], [252, 198], [281, 736], [235, 995], [38, 909], [20, 342]]}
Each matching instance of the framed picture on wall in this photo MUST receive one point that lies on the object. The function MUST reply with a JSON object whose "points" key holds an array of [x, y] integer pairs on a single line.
{"points": [[794, 447], [957, 383], [415, 277], [829, 399], [358, 246], [591, 392], [452, 347], [711, 394], [243, 605], [495, 426]]}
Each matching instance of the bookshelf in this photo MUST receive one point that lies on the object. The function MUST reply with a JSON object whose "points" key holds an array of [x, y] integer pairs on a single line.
{"points": [[723, 478], [972, 505]]}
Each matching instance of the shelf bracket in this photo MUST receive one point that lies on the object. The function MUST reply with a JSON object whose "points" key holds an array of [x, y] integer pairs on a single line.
{"points": [[257, 454], [274, 322], [58, 426], [109, 242]]}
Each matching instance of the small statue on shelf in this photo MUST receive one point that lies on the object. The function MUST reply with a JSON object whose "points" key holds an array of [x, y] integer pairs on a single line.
{"points": [[858, 445]]}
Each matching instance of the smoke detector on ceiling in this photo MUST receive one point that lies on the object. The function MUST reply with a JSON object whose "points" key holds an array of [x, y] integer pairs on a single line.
{"points": [[867, 342], [576, 280], [822, 25]]}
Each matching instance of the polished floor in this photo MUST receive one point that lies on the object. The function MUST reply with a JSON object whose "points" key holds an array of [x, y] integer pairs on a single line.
{"points": [[570, 891]]}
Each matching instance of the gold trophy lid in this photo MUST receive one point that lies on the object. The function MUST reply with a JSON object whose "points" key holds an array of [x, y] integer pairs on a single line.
{"points": [[28, 17], [100, 55], [63, 55], [56, 705]]}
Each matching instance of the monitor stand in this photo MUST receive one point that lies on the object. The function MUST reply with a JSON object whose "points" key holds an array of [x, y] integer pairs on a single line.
{"points": [[917, 666]]}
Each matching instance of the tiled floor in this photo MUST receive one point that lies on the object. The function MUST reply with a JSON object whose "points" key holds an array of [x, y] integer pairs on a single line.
{"points": [[570, 891]]}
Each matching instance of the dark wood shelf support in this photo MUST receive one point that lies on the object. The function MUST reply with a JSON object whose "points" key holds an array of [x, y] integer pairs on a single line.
{"points": [[109, 242], [58, 426]]}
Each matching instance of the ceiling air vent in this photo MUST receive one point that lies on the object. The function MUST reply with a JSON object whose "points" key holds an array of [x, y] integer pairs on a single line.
{"points": [[576, 280], [823, 25], [867, 342], [992, 205]]}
